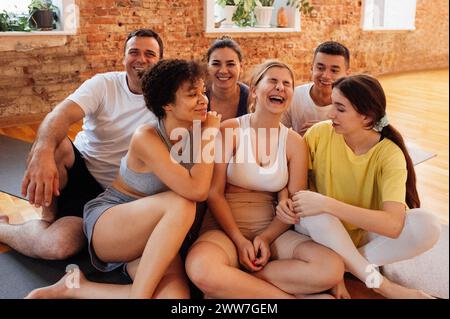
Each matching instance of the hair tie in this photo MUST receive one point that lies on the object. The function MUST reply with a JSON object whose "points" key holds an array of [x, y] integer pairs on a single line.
{"points": [[383, 122]]}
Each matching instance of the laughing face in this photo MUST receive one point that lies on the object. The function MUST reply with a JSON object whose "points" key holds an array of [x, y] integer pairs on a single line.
{"points": [[224, 68], [140, 53], [326, 69], [274, 91]]}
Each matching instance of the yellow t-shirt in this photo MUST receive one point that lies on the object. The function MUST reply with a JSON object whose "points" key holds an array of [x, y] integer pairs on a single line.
{"points": [[365, 180]]}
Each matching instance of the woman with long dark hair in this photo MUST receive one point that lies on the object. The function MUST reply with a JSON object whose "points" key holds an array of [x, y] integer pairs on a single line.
{"points": [[365, 204]]}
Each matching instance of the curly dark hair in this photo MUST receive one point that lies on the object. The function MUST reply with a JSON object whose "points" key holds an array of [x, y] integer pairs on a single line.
{"points": [[160, 83]]}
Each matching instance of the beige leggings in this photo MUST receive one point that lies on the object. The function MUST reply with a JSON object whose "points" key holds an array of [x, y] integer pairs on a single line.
{"points": [[253, 212]]}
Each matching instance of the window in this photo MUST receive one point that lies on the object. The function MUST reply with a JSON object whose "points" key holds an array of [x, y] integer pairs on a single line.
{"points": [[16, 13], [215, 13], [388, 15]]}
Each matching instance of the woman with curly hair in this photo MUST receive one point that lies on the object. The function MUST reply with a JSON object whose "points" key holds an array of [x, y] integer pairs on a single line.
{"points": [[140, 222]]}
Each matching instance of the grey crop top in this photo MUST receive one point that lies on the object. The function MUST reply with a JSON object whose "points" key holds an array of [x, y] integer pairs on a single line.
{"points": [[147, 183]]}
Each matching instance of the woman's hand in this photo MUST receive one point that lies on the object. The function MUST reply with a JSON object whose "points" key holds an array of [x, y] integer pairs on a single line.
{"points": [[247, 255], [212, 120], [285, 211], [307, 203], [262, 249]]}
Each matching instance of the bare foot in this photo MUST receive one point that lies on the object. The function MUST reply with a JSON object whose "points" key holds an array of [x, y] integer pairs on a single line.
{"points": [[392, 290], [340, 291], [315, 296], [63, 289], [4, 219]]}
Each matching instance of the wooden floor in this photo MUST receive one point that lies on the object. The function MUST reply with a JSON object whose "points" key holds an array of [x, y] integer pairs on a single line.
{"points": [[418, 106]]}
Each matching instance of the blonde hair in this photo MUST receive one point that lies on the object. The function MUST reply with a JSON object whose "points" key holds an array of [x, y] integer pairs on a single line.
{"points": [[258, 73]]}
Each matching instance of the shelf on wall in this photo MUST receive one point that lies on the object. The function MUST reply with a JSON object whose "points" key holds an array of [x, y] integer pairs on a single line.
{"points": [[213, 14]]}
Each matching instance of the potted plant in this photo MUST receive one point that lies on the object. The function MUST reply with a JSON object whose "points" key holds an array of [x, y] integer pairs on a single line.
{"points": [[4, 21], [10, 21], [303, 5], [263, 13], [42, 14], [229, 8], [244, 16]]}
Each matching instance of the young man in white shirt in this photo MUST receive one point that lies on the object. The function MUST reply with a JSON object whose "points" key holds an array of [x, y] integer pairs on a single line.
{"points": [[312, 101], [61, 176]]}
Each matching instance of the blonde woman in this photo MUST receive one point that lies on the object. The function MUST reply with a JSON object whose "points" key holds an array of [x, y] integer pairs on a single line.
{"points": [[243, 250]]}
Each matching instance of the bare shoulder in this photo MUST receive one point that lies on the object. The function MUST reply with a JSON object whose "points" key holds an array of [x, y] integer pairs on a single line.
{"points": [[144, 136], [295, 143], [230, 123], [294, 139]]}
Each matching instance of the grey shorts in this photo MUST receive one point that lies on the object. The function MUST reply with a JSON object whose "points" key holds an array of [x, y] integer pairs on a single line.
{"points": [[92, 212]]}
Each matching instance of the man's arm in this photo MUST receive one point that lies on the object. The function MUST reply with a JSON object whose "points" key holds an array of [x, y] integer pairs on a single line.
{"points": [[41, 179]]}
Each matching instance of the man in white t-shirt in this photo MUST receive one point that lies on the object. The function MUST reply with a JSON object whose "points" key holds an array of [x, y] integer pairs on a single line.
{"points": [[312, 101], [61, 176]]}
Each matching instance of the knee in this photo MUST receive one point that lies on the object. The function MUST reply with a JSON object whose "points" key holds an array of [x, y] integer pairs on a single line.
{"points": [[201, 270], [64, 153], [57, 249], [424, 226], [322, 222], [58, 242], [182, 209], [327, 269], [331, 270]]}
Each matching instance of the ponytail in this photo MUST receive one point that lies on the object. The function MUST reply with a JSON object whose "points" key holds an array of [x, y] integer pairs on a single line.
{"points": [[412, 196]]}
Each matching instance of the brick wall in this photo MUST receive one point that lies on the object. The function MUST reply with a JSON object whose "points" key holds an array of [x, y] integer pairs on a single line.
{"points": [[36, 76]]}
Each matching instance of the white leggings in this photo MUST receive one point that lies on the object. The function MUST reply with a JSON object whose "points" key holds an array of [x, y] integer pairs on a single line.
{"points": [[420, 232]]}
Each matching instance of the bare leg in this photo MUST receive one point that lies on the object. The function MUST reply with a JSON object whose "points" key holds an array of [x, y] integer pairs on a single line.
{"points": [[42, 239], [152, 228], [47, 238], [313, 268], [87, 290], [169, 287], [174, 284], [212, 265]]}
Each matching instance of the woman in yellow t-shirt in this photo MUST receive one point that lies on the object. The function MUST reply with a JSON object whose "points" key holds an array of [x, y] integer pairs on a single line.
{"points": [[364, 184]]}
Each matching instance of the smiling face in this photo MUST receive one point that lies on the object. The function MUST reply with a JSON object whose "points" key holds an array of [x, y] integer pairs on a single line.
{"points": [[274, 91], [141, 53], [190, 103], [224, 68], [326, 69], [346, 120]]}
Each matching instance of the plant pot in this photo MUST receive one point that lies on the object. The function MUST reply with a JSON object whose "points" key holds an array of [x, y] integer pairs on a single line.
{"points": [[263, 16], [227, 14], [42, 20]]}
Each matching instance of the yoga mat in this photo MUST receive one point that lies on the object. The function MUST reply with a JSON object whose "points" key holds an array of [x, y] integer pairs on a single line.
{"points": [[419, 155], [20, 274], [13, 157]]}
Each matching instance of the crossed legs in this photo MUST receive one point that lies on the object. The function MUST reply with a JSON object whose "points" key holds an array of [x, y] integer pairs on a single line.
{"points": [[419, 234], [212, 265], [47, 238], [146, 233]]}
